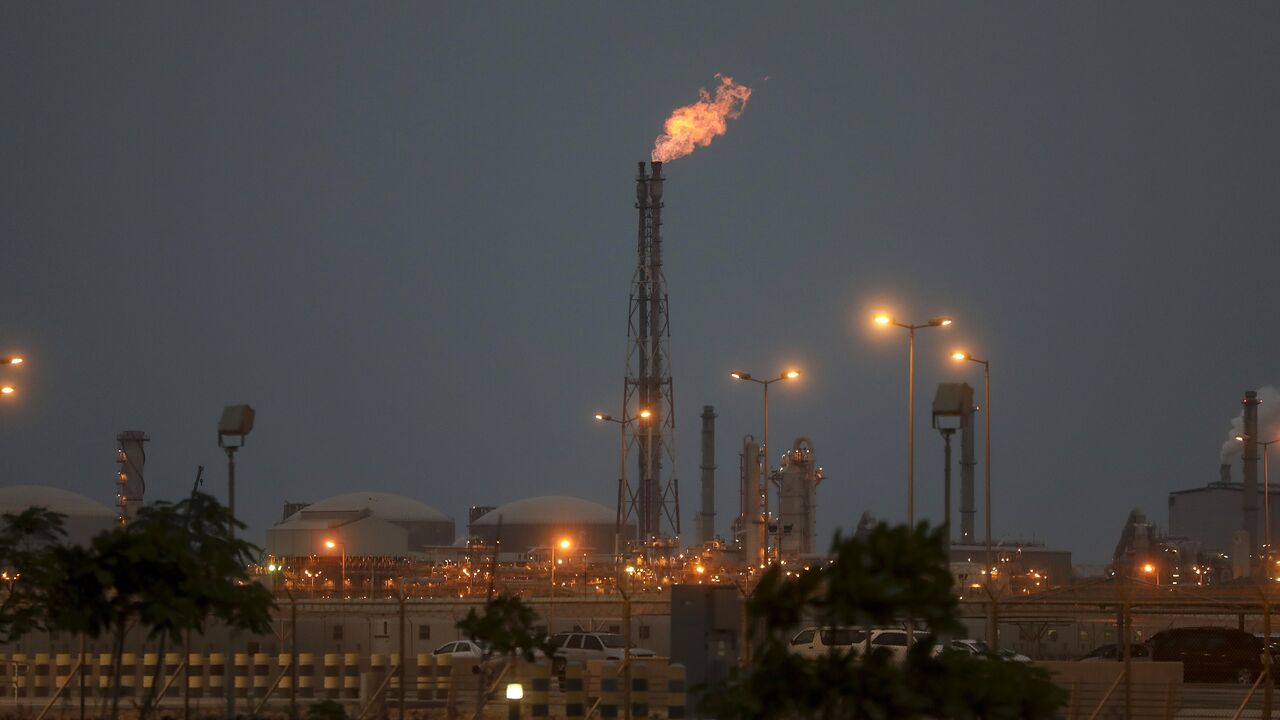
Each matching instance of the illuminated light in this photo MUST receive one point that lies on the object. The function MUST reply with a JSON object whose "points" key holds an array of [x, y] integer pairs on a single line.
{"points": [[602, 416], [7, 390], [645, 413], [791, 374], [739, 375], [565, 544], [330, 544], [14, 360], [882, 319], [701, 570], [1148, 568], [957, 355]]}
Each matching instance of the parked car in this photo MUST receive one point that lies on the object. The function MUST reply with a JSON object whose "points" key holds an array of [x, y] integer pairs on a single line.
{"points": [[1210, 653], [815, 642], [584, 646], [969, 645], [461, 649], [1111, 651]]}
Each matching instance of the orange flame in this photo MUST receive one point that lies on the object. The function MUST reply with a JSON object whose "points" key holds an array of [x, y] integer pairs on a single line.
{"points": [[700, 123]]}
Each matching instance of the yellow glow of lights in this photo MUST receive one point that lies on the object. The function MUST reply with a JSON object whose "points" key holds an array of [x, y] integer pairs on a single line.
{"points": [[882, 319], [14, 360], [7, 390], [631, 570], [791, 374], [330, 544], [565, 544], [1148, 568], [601, 416], [515, 691], [959, 355], [645, 413], [699, 569]]}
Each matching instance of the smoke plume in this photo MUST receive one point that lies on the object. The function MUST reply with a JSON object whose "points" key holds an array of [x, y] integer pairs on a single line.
{"points": [[700, 123], [1268, 423]]}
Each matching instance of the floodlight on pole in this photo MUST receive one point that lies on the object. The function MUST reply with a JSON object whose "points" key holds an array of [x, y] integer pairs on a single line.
{"points": [[233, 427]]}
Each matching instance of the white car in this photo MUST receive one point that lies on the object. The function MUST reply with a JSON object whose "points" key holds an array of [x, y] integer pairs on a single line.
{"points": [[461, 649], [584, 646], [813, 642]]}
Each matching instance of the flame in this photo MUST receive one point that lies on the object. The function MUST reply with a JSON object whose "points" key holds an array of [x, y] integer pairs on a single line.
{"points": [[700, 123]]}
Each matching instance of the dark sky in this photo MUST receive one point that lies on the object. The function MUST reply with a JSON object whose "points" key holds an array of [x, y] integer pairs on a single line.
{"points": [[404, 233]]}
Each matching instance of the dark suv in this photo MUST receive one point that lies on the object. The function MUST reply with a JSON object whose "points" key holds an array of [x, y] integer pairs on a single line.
{"points": [[1210, 653]]}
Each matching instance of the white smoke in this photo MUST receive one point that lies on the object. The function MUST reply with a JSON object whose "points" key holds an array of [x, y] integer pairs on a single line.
{"points": [[1268, 423]]}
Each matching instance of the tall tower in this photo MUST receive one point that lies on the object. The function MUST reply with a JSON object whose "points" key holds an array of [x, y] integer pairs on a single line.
{"points": [[654, 502], [130, 480]]}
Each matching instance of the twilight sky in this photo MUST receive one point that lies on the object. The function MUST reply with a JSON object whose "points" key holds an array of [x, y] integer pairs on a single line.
{"points": [[405, 233]]}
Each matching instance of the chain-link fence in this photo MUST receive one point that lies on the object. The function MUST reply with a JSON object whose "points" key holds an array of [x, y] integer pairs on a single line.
{"points": [[1124, 648]]}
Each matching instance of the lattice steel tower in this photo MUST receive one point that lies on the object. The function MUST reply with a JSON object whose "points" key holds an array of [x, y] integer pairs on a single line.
{"points": [[654, 502]]}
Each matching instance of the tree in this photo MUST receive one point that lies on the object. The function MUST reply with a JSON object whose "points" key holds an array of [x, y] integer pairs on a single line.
{"points": [[26, 542], [506, 628], [890, 575], [169, 571]]}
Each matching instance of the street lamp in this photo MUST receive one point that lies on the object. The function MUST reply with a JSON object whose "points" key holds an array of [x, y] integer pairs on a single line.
{"points": [[622, 469], [1266, 495], [1151, 569], [342, 579], [515, 693], [884, 321], [233, 427], [961, 356], [9, 360], [563, 544], [746, 377]]}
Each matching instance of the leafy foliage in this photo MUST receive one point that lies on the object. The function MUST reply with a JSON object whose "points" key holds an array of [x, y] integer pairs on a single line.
{"points": [[506, 628], [892, 574], [326, 710], [26, 540], [170, 570]]}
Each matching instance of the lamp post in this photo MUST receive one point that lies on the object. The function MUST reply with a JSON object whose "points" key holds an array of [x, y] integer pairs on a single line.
{"points": [[515, 693], [886, 320], [1151, 569], [1266, 501], [342, 579], [746, 377], [622, 470], [551, 612], [233, 428], [986, 469]]}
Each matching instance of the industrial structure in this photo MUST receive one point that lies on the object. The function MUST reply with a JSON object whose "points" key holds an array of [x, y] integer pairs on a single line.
{"points": [[522, 526], [361, 524], [83, 518], [707, 512], [797, 481], [653, 504], [131, 455]]}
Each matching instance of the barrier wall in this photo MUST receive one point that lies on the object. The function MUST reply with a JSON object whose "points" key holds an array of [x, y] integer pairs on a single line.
{"points": [[430, 681]]}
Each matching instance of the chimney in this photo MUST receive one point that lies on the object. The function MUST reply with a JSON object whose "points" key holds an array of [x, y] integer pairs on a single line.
{"points": [[131, 479], [1224, 473], [967, 463], [707, 516], [1250, 486]]}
